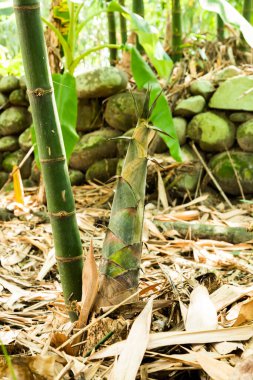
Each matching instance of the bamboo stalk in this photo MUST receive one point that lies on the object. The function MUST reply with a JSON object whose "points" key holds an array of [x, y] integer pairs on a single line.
{"points": [[247, 9], [112, 36], [176, 30], [60, 201], [123, 25], [138, 8], [220, 28]]}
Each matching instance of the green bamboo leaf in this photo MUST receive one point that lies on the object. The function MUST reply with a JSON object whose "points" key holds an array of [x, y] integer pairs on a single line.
{"points": [[230, 16], [66, 101], [161, 116], [148, 38]]}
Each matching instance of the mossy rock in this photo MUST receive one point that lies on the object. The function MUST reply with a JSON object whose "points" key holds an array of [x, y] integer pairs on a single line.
{"points": [[202, 87], [76, 177], [226, 73], [186, 176], [3, 178], [240, 117], [3, 101], [15, 158], [190, 106], [120, 111], [180, 125], [18, 98], [22, 82], [101, 83], [92, 147], [89, 116], [224, 171], [213, 132], [25, 140], [9, 83], [234, 94], [244, 136], [102, 170], [14, 120], [8, 144]]}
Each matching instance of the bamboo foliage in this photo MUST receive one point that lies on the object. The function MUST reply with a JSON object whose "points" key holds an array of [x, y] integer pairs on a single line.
{"points": [[119, 270], [60, 201]]}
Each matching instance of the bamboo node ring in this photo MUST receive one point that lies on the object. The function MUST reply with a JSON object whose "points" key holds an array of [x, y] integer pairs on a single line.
{"points": [[61, 214], [61, 259], [40, 91], [26, 7]]}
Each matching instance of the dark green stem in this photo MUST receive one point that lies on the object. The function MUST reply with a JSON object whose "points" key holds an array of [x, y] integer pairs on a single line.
{"points": [[112, 36], [176, 30], [220, 28], [60, 201], [123, 25], [138, 8]]}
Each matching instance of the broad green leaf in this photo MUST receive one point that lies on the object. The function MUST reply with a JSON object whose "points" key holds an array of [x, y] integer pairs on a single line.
{"points": [[148, 38], [161, 116], [66, 101], [230, 16]]}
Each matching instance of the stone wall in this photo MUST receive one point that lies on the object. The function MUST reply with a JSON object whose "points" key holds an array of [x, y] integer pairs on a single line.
{"points": [[216, 113]]}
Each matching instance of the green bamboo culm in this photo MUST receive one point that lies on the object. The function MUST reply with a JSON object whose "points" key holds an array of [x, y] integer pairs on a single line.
{"points": [[220, 28], [176, 30], [123, 25], [122, 247], [111, 21], [247, 9], [60, 201], [138, 8]]}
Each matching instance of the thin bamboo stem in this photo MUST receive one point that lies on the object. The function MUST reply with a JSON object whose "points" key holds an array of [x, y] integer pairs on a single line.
{"points": [[60, 201]]}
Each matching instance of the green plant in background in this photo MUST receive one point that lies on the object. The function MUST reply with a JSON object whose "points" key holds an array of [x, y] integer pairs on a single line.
{"points": [[176, 30], [69, 36], [60, 201], [231, 16], [146, 78]]}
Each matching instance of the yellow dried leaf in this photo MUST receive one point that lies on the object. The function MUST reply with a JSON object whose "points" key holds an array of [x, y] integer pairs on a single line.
{"points": [[217, 370], [18, 185]]}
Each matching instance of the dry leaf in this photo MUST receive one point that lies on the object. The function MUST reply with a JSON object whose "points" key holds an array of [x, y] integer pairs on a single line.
{"points": [[18, 185], [217, 370], [245, 313], [183, 337], [162, 196], [58, 338], [89, 287], [130, 358], [244, 369], [201, 313]]}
